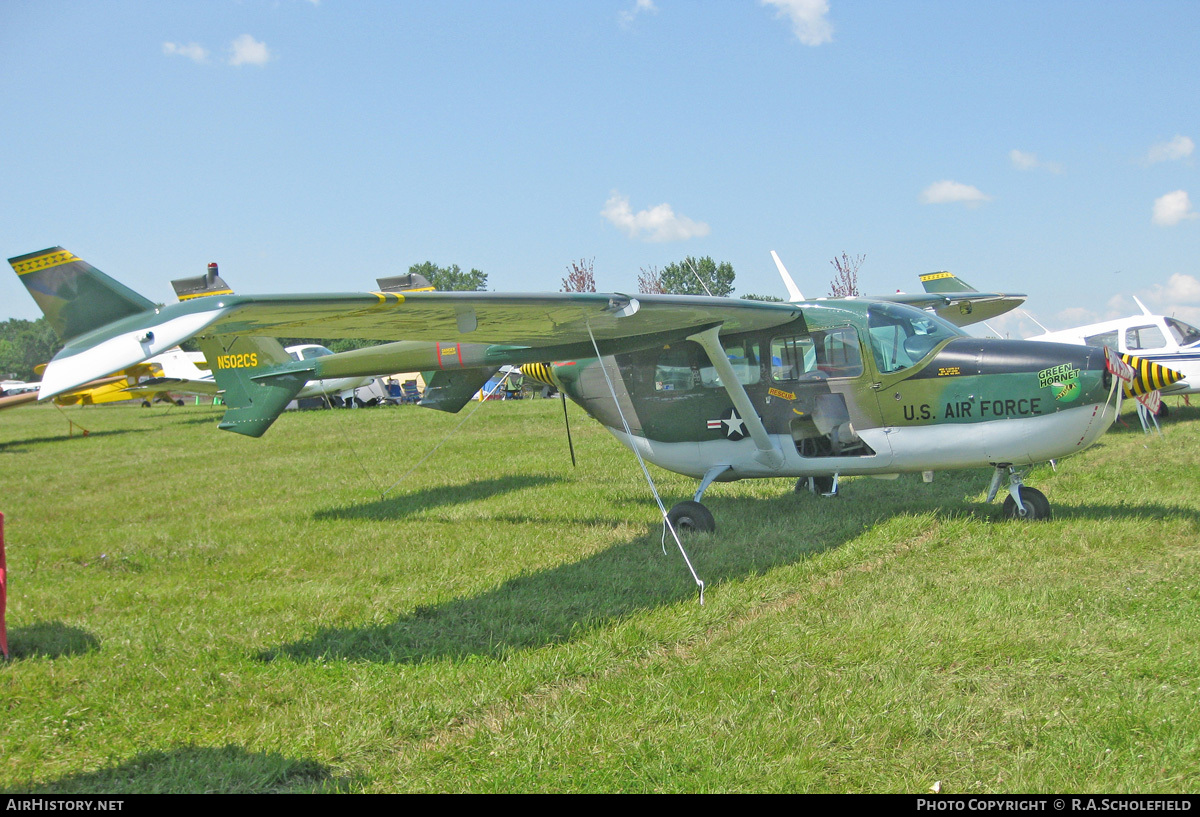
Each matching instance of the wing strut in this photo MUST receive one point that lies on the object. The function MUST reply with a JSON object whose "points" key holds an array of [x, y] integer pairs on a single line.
{"points": [[653, 488], [768, 454]]}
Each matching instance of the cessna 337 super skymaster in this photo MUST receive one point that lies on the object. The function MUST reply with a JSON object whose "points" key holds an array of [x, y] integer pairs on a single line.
{"points": [[713, 388]]}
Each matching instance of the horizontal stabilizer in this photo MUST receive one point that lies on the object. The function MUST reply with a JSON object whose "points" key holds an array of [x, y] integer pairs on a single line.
{"points": [[451, 390], [945, 282]]}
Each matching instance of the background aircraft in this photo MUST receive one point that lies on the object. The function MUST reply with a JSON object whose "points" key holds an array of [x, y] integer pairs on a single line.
{"points": [[1156, 338], [946, 296], [1152, 338], [714, 388]]}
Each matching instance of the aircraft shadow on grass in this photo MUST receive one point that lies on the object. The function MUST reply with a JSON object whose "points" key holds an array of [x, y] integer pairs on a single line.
{"points": [[201, 769], [12, 446], [557, 604], [50, 639], [402, 506]]}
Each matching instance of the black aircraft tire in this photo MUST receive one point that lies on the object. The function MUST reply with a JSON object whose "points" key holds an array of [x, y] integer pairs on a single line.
{"points": [[179, 401], [145, 404], [691, 517], [1037, 507], [1163, 411]]}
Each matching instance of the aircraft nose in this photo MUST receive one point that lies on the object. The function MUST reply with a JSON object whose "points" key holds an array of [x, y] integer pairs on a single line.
{"points": [[1144, 376]]}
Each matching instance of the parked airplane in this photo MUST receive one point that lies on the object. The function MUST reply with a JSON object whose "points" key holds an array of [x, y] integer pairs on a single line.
{"points": [[1155, 338], [713, 388]]}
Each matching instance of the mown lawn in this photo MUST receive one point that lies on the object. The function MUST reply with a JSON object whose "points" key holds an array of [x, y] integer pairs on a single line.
{"points": [[191, 610]]}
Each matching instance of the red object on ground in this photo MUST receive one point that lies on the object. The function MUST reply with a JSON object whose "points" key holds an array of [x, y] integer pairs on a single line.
{"points": [[3, 591]]}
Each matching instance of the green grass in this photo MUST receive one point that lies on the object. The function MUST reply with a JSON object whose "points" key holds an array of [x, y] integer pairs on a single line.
{"points": [[190, 610]]}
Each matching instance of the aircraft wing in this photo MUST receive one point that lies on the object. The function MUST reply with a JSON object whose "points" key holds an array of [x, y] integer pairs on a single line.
{"points": [[14, 400], [179, 384], [555, 322]]}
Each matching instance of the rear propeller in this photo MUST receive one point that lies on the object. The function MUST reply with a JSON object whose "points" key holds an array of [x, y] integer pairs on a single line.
{"points": [[542, 373]]}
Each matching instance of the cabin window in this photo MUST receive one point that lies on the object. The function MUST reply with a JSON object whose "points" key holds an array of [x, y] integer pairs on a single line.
{"points": [[902, 336], [1108, 339], [1184, 333], [743, 356], [792, 357], [673, 371], [838, 352], [826, 353], [1144, 337]]}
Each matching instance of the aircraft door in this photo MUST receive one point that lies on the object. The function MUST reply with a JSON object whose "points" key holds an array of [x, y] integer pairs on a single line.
{"points": [[821, 394]]}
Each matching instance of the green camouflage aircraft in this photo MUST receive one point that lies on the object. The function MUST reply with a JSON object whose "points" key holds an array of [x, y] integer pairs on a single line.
{"points": [[713, 388]]}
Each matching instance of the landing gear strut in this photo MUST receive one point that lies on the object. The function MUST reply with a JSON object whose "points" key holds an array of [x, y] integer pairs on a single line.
{"points": [[1022, 502], [823, 486]]}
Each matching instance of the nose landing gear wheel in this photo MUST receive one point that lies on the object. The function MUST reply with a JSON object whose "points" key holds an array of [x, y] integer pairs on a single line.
{"points": [[1037, 507], [691, 517]]}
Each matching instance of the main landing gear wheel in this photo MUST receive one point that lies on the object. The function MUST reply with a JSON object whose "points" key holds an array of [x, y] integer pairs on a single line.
{"points": [[1163, 411], [822, 486], [1037, 507], [145, 404], [691, 517]]}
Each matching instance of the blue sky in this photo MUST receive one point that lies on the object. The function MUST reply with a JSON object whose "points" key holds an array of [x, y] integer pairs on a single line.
{"points": [[1042, 147]]}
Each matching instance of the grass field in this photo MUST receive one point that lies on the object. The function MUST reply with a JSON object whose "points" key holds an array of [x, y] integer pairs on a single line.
{"points": [[191, 610]]}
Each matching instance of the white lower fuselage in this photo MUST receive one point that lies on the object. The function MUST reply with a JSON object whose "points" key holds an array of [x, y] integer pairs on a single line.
{"points": [[1015, 441]]}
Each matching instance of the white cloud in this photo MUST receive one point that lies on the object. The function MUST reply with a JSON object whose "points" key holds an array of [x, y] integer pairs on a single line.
{"points": [[1029, 161], [627, 17], [948, 192], [809, 19], [1179, 289], [656, 224], [193, 51], [1173, 208], [1178, 148], [249, 51]]}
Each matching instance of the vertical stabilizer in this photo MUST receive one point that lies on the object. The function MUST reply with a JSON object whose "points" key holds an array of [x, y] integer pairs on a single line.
{"points": [[246, 369], [75, 297]]}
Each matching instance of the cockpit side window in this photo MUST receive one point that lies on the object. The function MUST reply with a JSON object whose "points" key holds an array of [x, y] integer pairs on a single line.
{"points": [[838, 352], [1144, 337]]}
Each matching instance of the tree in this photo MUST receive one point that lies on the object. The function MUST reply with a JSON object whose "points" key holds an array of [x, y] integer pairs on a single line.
{"points": [[580, 277], [650, 281], [845, 283], [451, 279], [681, 278], [24, 345], [768, 298]]}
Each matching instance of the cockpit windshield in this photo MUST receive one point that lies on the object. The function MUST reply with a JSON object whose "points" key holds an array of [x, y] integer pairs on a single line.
{"points": [[901, 336], [1184, 333]]}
